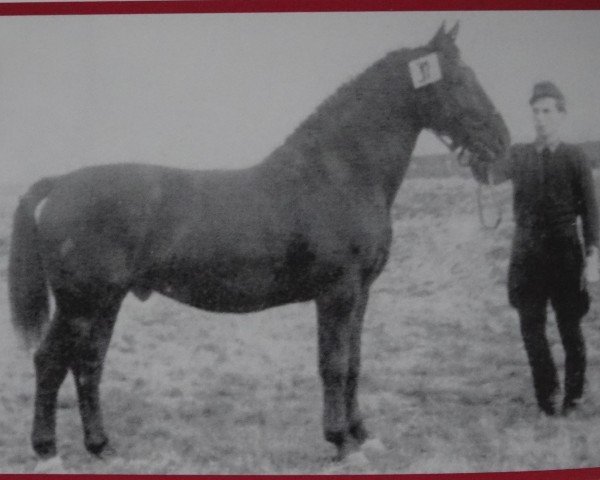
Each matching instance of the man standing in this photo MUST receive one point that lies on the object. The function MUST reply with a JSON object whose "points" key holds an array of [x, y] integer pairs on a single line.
{"points": [[552, 187]]}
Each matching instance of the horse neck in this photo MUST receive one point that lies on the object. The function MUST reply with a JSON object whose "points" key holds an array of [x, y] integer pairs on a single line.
{"points": [[361, 139]]}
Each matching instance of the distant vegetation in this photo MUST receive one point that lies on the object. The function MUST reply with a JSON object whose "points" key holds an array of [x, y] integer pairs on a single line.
{"points": [[445, 165]]}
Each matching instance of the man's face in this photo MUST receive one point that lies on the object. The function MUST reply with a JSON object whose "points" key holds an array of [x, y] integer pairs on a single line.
{"points": [[547, 119]]}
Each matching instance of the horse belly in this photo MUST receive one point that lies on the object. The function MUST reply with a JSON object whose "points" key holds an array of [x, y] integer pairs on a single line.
{"points": [[254, 272], [239, 291]]}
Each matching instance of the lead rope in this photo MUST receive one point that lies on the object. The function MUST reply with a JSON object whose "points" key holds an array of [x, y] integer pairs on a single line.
{"points": [[497, 205]]}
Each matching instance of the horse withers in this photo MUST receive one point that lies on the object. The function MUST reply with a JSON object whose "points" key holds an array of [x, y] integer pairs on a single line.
{"points": [[311, 222]]}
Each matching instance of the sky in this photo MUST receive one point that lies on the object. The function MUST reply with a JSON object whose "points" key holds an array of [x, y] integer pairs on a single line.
{"points": [[224, 90]]}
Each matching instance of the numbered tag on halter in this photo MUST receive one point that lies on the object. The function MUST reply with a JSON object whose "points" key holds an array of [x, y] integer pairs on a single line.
{"points": [[425, 70]]}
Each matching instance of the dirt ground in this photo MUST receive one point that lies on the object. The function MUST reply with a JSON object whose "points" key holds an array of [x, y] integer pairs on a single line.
{"points": [[445, 383]]}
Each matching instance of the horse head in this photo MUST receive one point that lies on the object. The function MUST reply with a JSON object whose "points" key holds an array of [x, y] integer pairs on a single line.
{"points": [[452, 103]]}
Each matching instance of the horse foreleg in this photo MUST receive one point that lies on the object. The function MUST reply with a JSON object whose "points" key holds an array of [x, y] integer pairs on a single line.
{"points": [[355, 421], [92, 336], [335, 314], [51, 365]]}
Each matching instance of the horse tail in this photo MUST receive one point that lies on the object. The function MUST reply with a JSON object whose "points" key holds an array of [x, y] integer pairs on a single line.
{"points": [[28, 291]]}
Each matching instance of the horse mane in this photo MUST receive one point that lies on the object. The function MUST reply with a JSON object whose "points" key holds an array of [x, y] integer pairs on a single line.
{"points": [[366, 102], [348, 95]]}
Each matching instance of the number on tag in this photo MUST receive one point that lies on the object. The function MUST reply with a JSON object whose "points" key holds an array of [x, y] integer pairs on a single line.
{"points": [[425, 70]]}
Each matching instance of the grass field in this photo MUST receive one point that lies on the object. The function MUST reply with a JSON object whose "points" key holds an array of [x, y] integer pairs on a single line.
{"points": [[445, 382]]}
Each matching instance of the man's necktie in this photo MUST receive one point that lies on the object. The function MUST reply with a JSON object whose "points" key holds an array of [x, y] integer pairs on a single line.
{"points": [[544, 165], [545, 171]]}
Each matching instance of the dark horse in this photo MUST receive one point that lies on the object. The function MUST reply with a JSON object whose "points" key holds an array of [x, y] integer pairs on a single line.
{"points": [[311, 222]]}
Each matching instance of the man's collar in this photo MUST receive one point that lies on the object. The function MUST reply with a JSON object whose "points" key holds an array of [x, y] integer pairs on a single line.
{"points": [[550, 145]]}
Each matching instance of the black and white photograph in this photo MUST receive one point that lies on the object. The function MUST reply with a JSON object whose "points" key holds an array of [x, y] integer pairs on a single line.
{"points": [[300, 243]]}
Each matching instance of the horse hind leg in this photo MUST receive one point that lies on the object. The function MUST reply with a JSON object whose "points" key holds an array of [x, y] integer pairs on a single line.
{"points": [[91, 333], [51, 361]]}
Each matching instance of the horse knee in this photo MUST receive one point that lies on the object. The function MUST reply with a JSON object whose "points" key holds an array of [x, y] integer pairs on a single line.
{"points": [[333, 362]]}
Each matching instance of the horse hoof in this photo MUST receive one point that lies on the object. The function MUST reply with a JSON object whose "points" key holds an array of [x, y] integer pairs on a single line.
{"points": [[51, 465], [359, 432], [98, 448], [108, 452], [46, 449]]}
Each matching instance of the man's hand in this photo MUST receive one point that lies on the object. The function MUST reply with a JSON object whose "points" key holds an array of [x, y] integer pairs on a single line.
{"points": [[490, 173], [481, 172]]}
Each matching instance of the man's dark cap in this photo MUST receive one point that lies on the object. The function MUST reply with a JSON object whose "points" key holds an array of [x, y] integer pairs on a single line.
{"points": [[547, 90]]}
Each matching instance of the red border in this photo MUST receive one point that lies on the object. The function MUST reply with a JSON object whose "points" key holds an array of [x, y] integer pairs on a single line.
{"points": [[128, 7], [263, 6], [571, 474]]}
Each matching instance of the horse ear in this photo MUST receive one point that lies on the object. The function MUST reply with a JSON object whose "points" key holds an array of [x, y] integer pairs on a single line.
{"points": [[453, 33], [439, 35]]}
